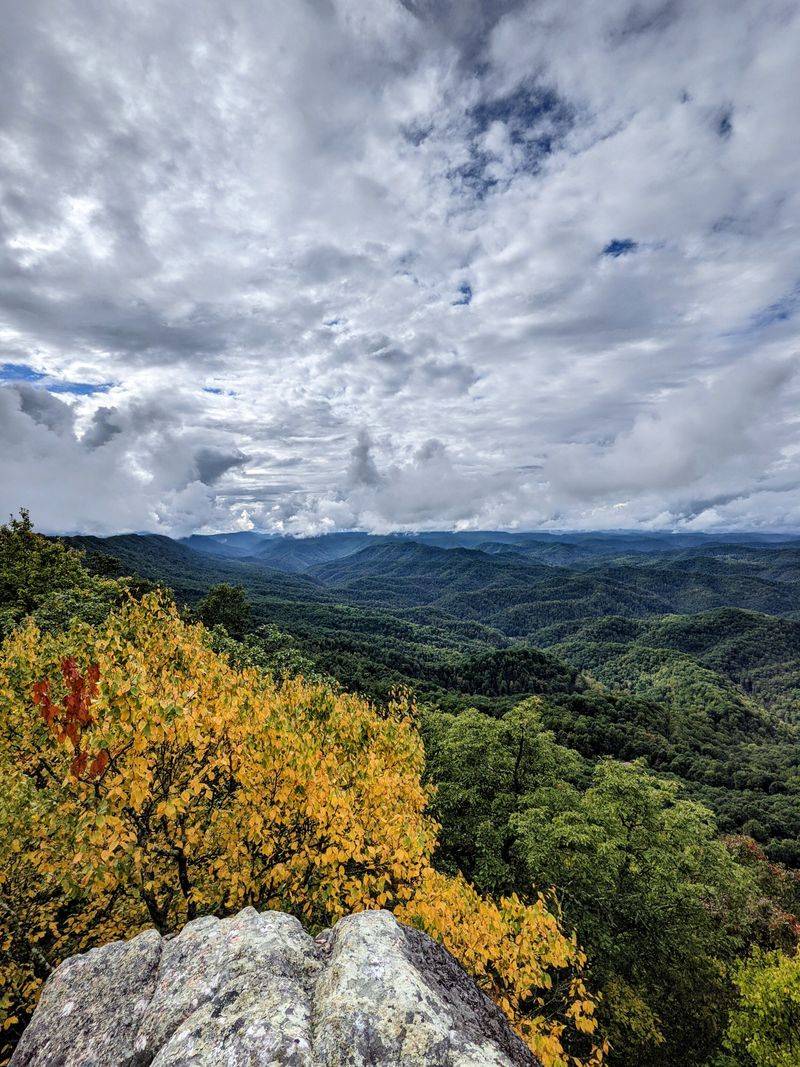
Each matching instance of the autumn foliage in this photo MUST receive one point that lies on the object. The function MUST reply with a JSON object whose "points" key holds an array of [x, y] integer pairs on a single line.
{"points": [[70, 721], [519, 955], [146, 781]]}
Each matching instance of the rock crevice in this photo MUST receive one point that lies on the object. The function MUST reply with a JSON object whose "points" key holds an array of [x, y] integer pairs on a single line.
{"points": [[255, 989]]}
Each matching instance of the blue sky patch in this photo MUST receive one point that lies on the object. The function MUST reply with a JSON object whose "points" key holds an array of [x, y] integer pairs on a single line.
{"points": [[19, 372], [521, 110], [536, 119], [725, 123], [79, 388], [781, 311], [465, 289], [620, 247], [474, 174]]}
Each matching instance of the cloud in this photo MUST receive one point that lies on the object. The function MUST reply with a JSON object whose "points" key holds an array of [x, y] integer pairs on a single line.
{"points": [[43, 409], [130, 470], [389, 489], [103, 428], [255, 259], [363, 471], [706, 438], [212, 463]]}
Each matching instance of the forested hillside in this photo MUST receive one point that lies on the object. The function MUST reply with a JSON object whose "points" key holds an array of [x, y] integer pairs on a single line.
{"points": [[584, 739], [705, 696], [758, 653]]}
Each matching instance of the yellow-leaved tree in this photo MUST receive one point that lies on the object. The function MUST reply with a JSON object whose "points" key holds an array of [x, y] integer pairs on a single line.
{"points": [[146, 781]]}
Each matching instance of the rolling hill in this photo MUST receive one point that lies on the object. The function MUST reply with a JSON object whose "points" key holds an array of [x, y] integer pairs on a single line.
{"points": [[652, 655]]}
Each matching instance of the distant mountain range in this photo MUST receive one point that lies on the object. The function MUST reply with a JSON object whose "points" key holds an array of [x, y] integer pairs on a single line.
{"points": [[402, 603], [297, 554], [519, 584]]}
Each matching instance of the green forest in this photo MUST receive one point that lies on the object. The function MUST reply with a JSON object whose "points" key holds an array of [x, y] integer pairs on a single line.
{"points": [[610, 725]]}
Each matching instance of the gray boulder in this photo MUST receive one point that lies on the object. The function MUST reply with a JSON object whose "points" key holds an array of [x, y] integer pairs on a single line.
{"points": [[256, 989]]}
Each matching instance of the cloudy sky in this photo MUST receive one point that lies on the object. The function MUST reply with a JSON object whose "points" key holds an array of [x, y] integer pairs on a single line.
{"points": [[326, 264]]}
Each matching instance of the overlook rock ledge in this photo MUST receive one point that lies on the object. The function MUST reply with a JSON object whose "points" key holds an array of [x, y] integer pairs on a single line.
{"points": [[256, 989]]}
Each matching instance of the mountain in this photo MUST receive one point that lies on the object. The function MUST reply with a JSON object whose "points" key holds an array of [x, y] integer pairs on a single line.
{"points": [[190, 573], [368, 649], [757, 653], [301, 553], [520, 595], [296, 554], [229, 546], [292, 554], [395, 608]]}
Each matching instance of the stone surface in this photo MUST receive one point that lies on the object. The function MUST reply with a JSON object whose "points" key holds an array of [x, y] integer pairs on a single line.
{"points": [[256, 989], [93, 1005]]}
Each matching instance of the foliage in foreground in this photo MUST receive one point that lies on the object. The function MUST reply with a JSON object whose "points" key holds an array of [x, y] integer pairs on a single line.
{"points": [[764, 1029], [48, 581], [146, 781], [664, 907]]}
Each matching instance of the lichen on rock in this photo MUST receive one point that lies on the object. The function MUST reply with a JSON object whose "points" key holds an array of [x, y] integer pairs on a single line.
{"points": [[256, 989]]}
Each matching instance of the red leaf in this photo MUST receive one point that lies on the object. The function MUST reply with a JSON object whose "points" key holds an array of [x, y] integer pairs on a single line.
{"points": [[78, 764], [41, 691], [98, 764]]}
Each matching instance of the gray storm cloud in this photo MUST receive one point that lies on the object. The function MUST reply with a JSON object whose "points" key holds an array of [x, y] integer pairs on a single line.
{"points": [[479, 263]]}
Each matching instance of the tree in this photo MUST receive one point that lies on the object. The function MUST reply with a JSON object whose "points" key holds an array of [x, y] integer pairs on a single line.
{"points": [[519, 955], [777, 911], [44, 578], [662, 904], [664, 908], [227, 606], [147, 780], [482, 768], [764, 1028], [268, 649]]}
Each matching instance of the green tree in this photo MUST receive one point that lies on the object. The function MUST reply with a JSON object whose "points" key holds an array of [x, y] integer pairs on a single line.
{"points": [[482, 768], [225, 605], [764, 1028], [270, 650], [663, 907], [41, 577]]}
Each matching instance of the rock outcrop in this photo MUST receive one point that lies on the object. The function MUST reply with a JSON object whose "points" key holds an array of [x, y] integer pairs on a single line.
{"points": [[256, 989]]}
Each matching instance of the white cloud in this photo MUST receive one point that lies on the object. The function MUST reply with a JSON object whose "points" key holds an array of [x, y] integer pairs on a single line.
{"points": [[133, 469], [255, 223]]}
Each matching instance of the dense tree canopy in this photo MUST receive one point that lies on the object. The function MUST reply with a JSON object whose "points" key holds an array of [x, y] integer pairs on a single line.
{"points": [[45, 579], [664, 907], [661, 902], [764, 1029], [227, 606]]}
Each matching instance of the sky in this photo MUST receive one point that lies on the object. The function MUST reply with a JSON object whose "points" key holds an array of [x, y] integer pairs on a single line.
{"points": [[309, 265]]}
